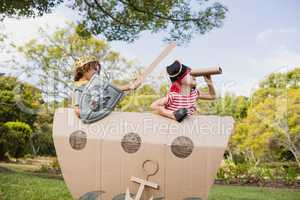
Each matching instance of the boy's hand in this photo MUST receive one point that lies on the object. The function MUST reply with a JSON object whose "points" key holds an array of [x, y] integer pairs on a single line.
{"points": [[180, 114], [211, 91]]}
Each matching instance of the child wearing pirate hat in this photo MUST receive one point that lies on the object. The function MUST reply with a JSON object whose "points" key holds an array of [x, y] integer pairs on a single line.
{"points": [[181, 100], [85, 68]]}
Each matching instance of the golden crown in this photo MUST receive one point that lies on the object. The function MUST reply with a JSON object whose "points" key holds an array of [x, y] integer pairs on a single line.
{"points": [[84, 60]]}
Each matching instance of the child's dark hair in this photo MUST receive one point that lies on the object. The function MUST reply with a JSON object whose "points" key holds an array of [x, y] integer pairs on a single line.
{"points": [[79, 71]]}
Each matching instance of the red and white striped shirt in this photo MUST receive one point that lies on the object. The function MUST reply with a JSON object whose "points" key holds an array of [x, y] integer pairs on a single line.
{"points": [[176, 101]]}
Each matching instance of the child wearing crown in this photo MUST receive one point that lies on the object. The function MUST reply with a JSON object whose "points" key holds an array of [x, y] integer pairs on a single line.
{"points": [[181, 100], [85, 68]]}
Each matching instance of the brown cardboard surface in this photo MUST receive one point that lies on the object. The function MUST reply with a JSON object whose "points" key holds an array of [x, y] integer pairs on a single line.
{"points": [[206, 71], [108, 153]]}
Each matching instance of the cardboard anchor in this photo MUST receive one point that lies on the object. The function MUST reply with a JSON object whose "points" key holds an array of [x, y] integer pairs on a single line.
{"points": [[143, 183]]}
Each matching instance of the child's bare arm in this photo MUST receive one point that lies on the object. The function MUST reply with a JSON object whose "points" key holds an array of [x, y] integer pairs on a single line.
{"points": [[159, 107], [211, 95]]}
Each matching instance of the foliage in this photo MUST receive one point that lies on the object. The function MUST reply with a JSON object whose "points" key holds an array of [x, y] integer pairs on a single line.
{"points": [[25, 8], [136, 103], [126, 19], [272, 124], [52, 168], [146, 90], [51, 60], [228, 105], [247, 173], [24, 103], [41, 140], [163, 90], [19, 101], [16, 138]]}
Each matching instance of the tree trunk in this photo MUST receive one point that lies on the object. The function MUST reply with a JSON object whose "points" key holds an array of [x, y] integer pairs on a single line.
{"points": [[295, 154]]}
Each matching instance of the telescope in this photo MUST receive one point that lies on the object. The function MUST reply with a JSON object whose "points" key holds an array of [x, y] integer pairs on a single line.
{"points": [[206, 71]]}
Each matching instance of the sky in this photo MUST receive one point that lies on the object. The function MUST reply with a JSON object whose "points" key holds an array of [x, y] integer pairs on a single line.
{"points": [[257, 38]]}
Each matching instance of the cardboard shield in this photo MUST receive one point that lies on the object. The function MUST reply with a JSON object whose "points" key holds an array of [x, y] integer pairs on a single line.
{"points": [[98, 99], [140, 155]]}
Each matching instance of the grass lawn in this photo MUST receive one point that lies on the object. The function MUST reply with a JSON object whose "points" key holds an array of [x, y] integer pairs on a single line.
{"points": [[16, 184]]}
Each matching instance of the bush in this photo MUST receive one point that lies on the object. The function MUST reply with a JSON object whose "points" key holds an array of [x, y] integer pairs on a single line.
{"points": [[52, 168], [232, 173], [16, 138], [42, 141], [290, 174], [247, 173]]}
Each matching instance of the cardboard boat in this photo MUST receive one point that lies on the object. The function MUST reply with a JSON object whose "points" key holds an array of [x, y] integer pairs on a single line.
{"points": [[130, 155]]}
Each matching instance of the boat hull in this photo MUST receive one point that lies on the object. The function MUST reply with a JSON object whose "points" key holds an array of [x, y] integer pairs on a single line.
{"points": [[101, 158]]}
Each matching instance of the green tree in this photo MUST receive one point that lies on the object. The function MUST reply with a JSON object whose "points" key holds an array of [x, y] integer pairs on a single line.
{"points": [[19, 101], [272, 120], [227, 105], [26, 8], [241, 107], [126, 19], [288, 123], [275, 85], [50, 59]]}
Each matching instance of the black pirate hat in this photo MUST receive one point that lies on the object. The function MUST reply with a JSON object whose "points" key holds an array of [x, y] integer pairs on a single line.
{"points": [[176, 70]]}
